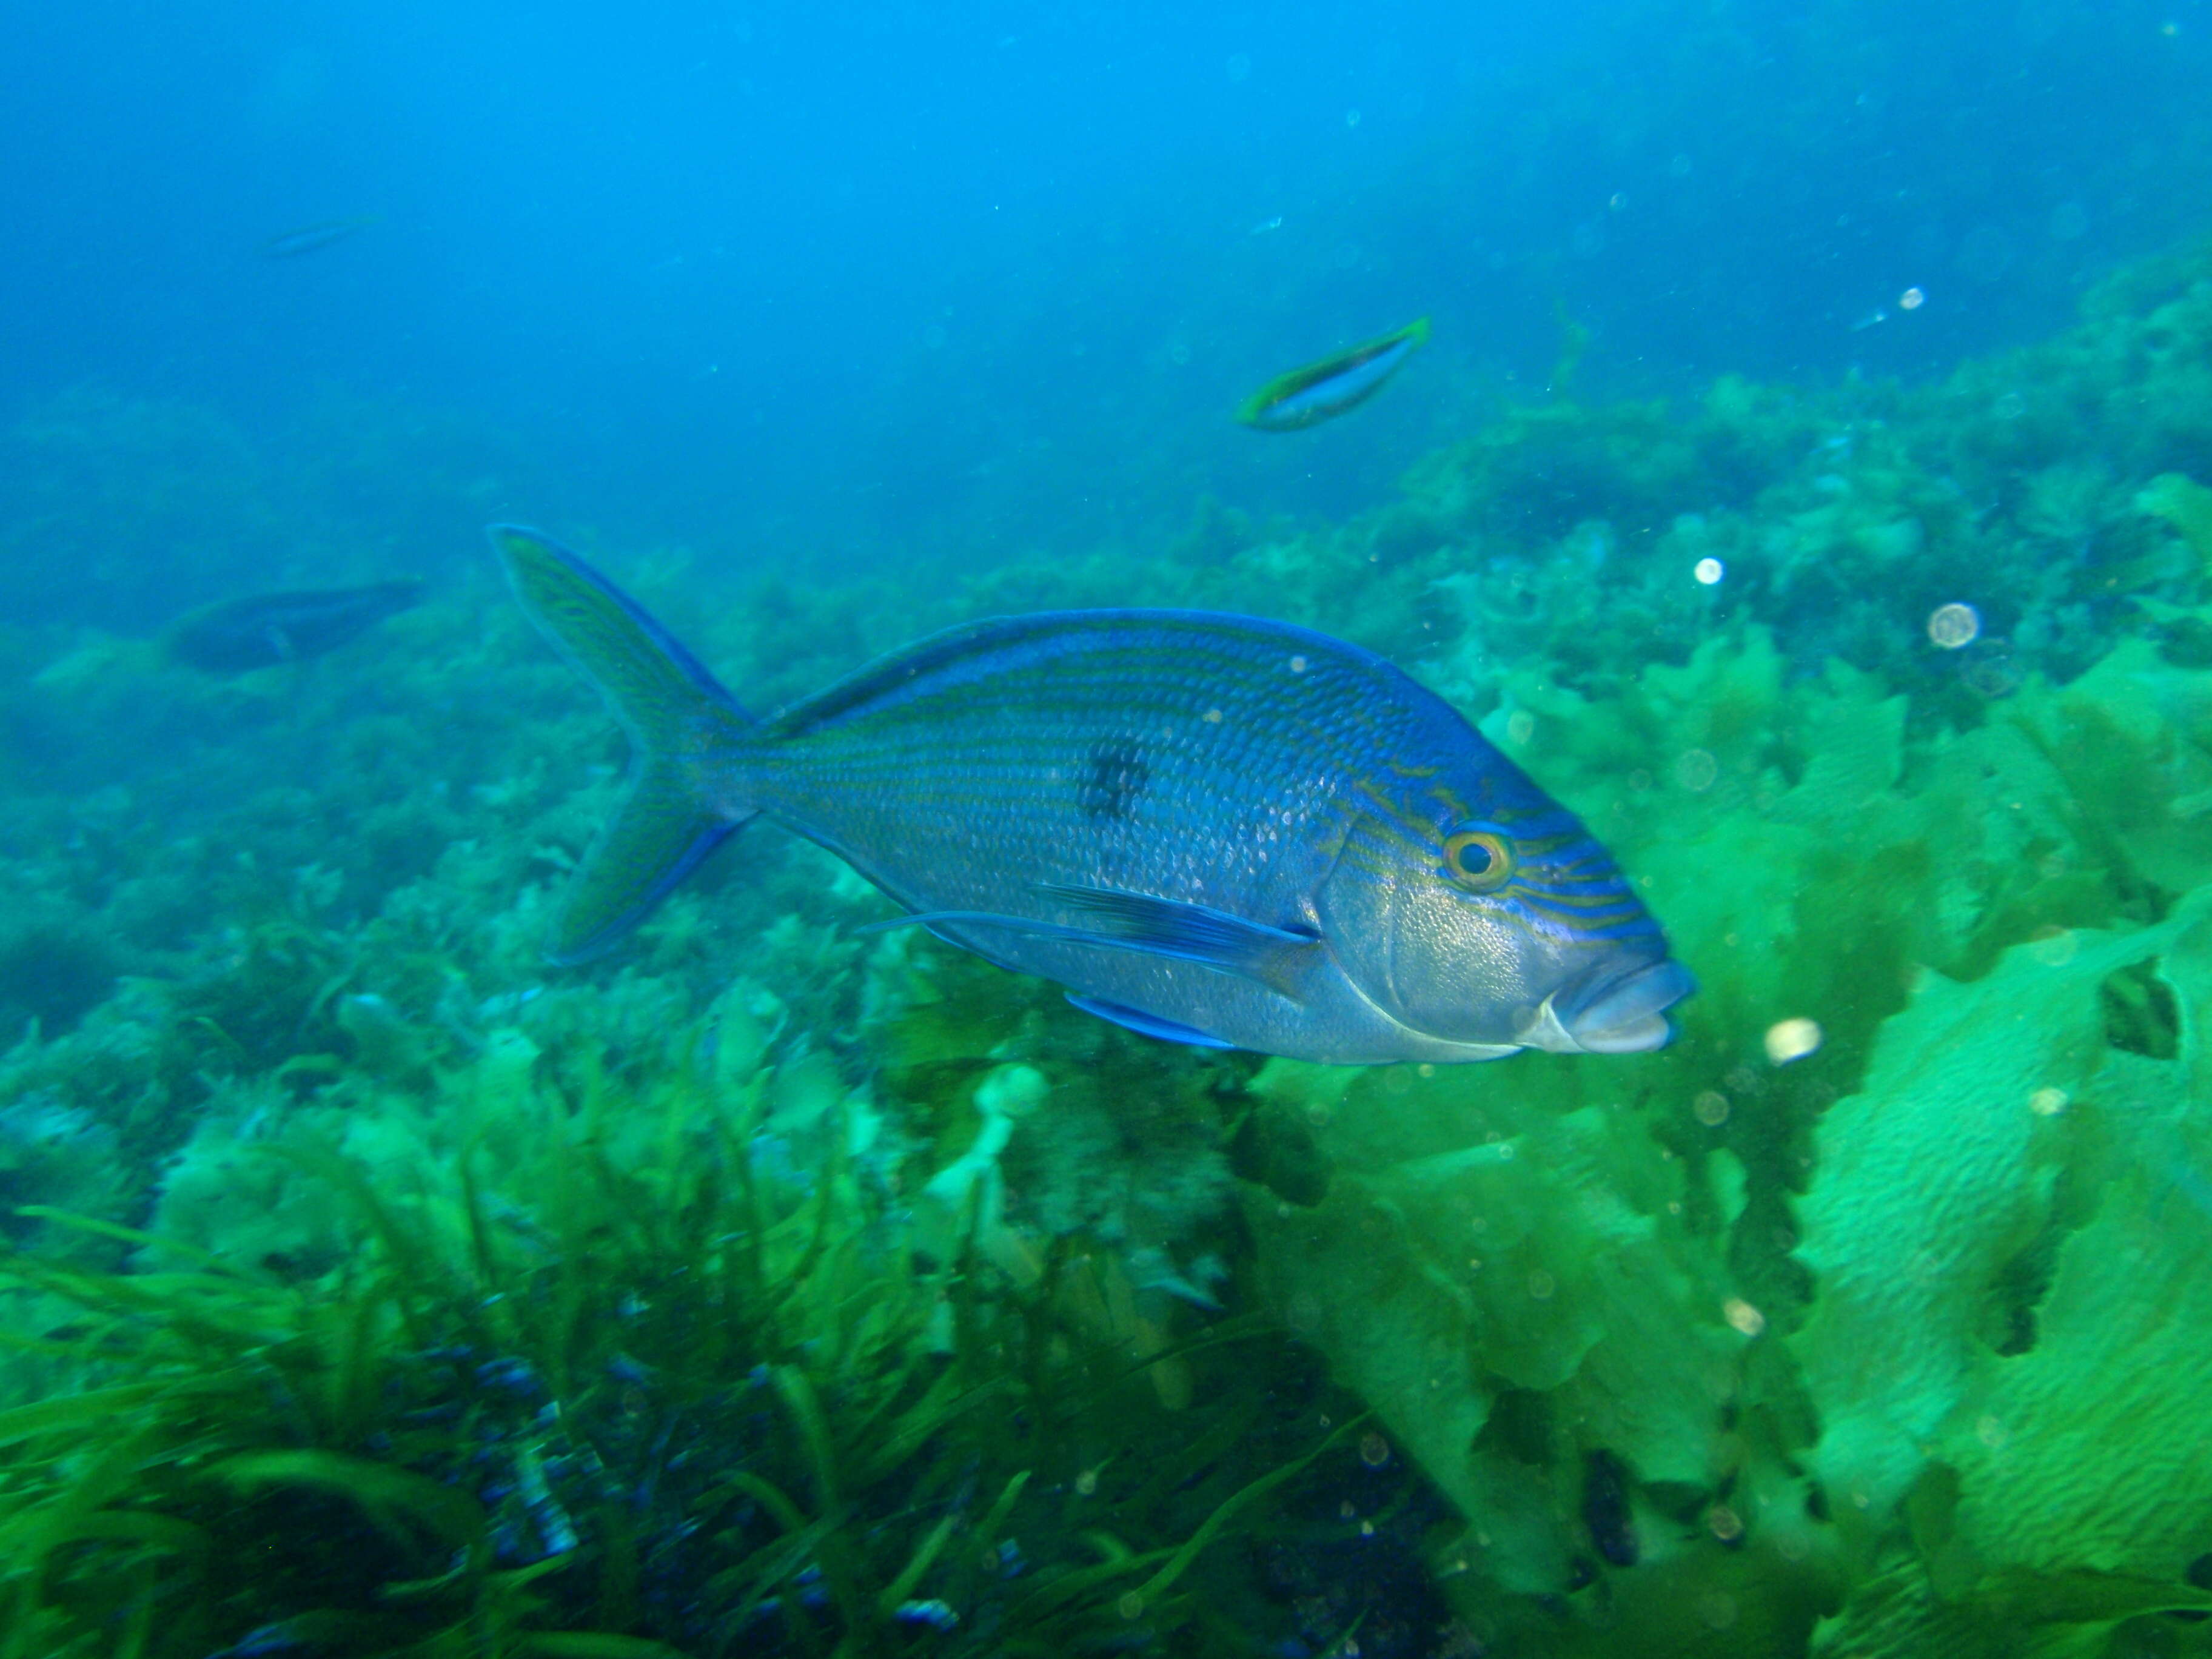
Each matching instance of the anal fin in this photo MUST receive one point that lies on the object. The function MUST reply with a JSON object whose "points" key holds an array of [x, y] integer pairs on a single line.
{"points": [[1145, 1025]]}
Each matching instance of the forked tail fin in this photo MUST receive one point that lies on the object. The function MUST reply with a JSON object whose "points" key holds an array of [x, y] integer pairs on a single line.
{"points": [[684, 729]]}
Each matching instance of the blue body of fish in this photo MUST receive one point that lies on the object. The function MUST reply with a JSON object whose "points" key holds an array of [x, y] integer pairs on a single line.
{"points": [[1212, 828]]}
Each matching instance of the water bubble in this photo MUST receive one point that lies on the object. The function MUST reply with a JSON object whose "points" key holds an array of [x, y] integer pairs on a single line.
{"points": [[1724, 1523], [1954, 625], [1990, 671], [1373, 1449], [1520, 727], [1911, 299], [2047, 1102], [1541, 1285], [1678, 168], [1711, 1107], [1131, 1605], [1792, 1039], [1709, 571], [2008, 406], [1696, 770], [1240, 67], [1985, 254], [2069, 221], [1351, 117], [933, 336]]}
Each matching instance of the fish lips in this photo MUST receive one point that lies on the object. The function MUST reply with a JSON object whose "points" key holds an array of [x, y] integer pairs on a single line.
{"points": [[1615, 1011]]}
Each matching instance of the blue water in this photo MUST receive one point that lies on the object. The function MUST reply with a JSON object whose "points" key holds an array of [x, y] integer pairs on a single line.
{"points": [[836, 286], [1807, 476]]}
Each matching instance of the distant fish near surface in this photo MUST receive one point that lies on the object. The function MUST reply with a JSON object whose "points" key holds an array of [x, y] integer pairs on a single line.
{"points": [[1322, 391], [312, 239], [233, 636], [1209, 829]]}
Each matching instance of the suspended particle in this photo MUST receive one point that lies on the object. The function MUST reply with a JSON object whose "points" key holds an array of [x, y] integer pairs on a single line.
{"points": [[1742, 1316], [1911, 299], [1953, 626], [2052, 945], [1373, 1449], [1709, 571], [1792, 1039], [1711, 1107], [2047, 1102]]}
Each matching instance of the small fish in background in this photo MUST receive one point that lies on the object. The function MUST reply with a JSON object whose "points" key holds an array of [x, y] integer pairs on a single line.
{"points": [[1322, 391], [312, 239], [232, 637], [1210, 829]]}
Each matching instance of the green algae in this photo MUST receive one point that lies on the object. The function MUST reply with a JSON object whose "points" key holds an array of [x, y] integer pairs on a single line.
{"points": [[568, 1340], [357, 1263]]}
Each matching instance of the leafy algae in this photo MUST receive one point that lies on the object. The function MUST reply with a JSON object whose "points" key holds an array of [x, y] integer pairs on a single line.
{"points": [[373, 1288]]}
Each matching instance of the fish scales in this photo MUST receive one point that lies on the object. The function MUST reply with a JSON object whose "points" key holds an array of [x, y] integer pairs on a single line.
{"points": [[1212, 828], [1168, 752]]}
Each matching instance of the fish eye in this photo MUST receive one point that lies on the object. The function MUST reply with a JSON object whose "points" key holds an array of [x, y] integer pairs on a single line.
{"points": [[1479, 859]]}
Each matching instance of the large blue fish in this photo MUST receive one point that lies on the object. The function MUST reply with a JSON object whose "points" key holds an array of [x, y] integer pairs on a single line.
{"points": [[1209, 829]]}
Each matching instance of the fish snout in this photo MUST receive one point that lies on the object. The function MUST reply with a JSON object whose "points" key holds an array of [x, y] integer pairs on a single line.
{"points": [[1621, 1011]]}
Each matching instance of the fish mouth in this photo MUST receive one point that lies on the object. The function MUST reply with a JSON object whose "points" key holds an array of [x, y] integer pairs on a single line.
{"points": [[1620, 1013]]}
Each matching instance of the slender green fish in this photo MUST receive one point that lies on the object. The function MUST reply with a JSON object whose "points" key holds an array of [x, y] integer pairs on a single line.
{"points": [[1322, 391], [1210, 829], [312, 239]]}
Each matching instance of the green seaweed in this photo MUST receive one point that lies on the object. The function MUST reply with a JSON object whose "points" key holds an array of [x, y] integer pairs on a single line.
{"points": [[371, 1286]]}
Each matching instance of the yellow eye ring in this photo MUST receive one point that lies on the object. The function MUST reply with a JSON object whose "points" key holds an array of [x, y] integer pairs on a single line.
{"points": [[1479, 859]]}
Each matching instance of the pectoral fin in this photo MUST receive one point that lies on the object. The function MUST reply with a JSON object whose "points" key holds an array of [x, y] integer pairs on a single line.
{"points": [[1152, 926]]}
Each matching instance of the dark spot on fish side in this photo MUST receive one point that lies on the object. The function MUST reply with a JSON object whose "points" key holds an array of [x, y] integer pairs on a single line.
{"points": [[1114, 774], [1605, 1509]]}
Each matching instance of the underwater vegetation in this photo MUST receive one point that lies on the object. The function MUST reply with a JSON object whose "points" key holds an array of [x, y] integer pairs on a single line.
{"points": [[772, 1284]]}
